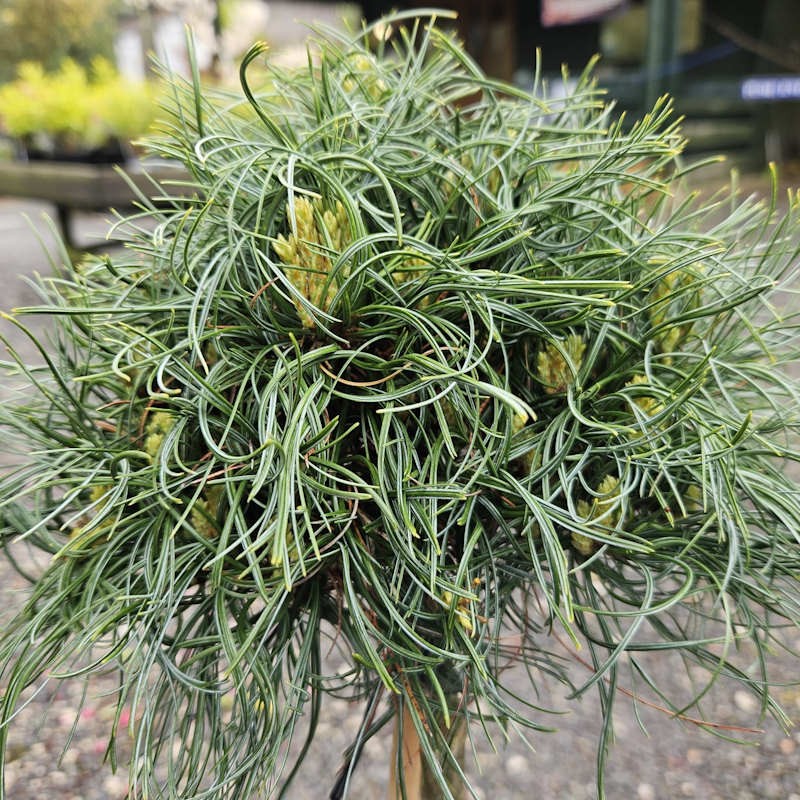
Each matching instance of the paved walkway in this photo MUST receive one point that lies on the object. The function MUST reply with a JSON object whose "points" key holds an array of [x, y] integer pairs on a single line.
{"points": [[28, 247]]}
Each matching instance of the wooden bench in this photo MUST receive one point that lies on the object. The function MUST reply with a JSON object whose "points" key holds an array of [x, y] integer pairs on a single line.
{"points": [[74, 187]]}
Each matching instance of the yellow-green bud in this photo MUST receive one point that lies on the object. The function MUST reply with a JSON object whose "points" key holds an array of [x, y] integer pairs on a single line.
{"points": [[159, 423], [555, 370], [204, 512], [582, 543], [603, 508], [529, 460], [519, 421], [606, 505], [648, 404], [694, 498], [285, 248], [98, 492], [303, 252], [366, 71], [671, 297]]}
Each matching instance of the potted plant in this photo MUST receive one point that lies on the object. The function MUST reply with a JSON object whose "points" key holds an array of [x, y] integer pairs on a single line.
{"points": [[416, 360], [76, 115]]}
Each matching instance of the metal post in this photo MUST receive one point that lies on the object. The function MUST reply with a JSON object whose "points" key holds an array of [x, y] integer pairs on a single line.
{"points": [[663, 22]]}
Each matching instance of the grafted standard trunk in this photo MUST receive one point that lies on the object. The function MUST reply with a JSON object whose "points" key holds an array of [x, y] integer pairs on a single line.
{"points": [[419, 780]]}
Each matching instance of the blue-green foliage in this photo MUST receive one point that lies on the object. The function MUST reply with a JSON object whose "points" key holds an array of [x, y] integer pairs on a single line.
{"points": [[415, 360]]}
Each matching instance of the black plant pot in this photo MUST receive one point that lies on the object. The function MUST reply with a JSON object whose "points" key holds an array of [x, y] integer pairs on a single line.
{"points": [[111, 152]]}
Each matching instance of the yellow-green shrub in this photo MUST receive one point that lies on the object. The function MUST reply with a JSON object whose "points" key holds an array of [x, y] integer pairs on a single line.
{"points": [[73, 108]]}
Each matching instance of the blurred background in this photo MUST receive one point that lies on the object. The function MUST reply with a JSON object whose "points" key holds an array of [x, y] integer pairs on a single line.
{"points": [[74, 73]]}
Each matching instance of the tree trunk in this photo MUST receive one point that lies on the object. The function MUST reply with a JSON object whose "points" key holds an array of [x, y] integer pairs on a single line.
{"points": [[408, 760]]}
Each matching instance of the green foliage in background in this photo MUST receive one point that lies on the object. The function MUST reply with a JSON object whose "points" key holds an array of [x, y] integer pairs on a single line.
{"points": [[72, 109], [424, 368], [48, 31]]}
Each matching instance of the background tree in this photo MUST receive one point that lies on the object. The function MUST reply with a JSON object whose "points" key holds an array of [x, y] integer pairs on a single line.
{"points": [[48, 31]]}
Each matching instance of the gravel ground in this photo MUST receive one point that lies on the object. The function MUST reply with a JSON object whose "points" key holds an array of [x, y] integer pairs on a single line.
{"points": [[673, 760]]}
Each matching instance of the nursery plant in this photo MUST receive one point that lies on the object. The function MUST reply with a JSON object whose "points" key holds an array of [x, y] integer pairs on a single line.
{"points": [[423, 368], [73, 113]]}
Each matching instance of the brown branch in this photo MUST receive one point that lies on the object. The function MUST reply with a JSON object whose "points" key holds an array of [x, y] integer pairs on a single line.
{"points": [[777, 56], [702, 723], [258, 294], [361, 384]]}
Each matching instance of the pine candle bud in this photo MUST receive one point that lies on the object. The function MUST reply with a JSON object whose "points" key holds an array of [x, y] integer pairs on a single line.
{"points": [[647, 403], [410, 268], [580, 541], [603, 508], [158, 426], [554, 370], [529, 460], [98, 492], [364, 74], [673, 295], [79, 536], [693, 499], [519, 421], [606, 505], [307, 267], [204, 512]]}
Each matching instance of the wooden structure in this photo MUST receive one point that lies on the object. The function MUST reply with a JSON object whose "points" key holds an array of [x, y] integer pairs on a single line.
{"points": [[84, 187]]}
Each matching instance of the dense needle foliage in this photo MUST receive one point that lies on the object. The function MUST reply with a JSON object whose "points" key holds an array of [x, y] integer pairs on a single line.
{"points": [[422, 364]]}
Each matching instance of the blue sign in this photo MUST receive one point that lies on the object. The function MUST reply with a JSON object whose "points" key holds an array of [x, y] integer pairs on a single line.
{"points": [[771, 87]]}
